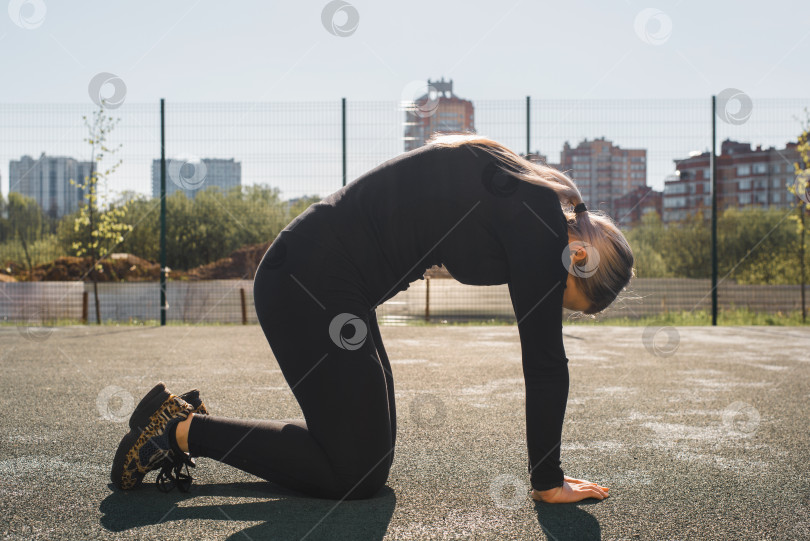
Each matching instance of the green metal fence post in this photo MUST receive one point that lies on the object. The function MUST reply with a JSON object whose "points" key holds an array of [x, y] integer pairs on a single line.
{"points": [[528, 125], [343, 124], [162, 212]]}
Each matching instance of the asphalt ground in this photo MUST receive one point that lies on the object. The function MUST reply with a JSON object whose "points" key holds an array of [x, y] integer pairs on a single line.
{"points": [[700, 433]]}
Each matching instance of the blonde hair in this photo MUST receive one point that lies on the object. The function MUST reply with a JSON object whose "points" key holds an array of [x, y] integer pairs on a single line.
{"points": [[612, 267]]}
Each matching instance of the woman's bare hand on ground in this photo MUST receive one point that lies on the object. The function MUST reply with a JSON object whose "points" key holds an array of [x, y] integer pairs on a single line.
{"points": [[572, 490]]}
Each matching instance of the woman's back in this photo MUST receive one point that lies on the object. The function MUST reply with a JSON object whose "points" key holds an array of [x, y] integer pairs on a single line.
{"points": [[434, 205]]}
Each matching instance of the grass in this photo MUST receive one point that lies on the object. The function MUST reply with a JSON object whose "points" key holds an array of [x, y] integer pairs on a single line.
{"points": [[111, 323], [725, 317]]}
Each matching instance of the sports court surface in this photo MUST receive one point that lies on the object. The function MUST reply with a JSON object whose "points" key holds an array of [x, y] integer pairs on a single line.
{"points": [[700, 433]]}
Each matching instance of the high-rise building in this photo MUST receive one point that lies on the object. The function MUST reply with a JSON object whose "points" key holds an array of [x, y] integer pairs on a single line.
{"points": [[192, 175], [47, 180], [603, 171], [438, 110], [631, 207], [745, 177]]}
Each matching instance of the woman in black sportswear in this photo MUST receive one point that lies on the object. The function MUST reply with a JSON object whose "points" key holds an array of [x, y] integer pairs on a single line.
{"points": [[464, 201]]}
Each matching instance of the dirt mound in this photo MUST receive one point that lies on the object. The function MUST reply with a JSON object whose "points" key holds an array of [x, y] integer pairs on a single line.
{"points": [[117, 267], [242, 263], [131, 268]]}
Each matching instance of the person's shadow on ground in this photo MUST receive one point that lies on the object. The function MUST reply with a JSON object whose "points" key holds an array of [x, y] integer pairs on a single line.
{"points": [[566, 521], [288, 515]]}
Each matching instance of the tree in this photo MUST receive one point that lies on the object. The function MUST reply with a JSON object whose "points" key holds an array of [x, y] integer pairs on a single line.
{"points": [[100, 228], [25, 223], [647, 243], [756, 246], [686, 247]]}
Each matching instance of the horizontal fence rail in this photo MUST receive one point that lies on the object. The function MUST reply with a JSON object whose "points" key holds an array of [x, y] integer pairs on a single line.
{"points": [[434, 299]]}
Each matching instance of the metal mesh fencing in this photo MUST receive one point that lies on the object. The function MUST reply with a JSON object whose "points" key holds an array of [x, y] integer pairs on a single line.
{"points": [[237, 173]]}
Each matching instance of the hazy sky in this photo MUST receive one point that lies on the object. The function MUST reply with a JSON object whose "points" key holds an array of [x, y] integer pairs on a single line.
{"points": [[251, 50], [236, 52]]}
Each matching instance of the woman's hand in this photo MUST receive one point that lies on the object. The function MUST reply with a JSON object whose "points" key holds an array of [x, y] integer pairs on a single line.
{"points": [[572, 490]]}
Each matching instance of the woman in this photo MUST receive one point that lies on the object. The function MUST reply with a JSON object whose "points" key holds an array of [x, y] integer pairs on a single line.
{"points": [[465, 201]]}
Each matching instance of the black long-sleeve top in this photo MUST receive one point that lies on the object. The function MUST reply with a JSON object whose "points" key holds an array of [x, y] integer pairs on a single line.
{"points": [[453, 206]]}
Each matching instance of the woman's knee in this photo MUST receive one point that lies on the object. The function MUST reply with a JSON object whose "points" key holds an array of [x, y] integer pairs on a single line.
{"points": [[364, 478], [362, 486]]}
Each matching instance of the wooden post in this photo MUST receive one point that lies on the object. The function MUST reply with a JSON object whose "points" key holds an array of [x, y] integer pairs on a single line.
{"points": [[84, 307], [801, 255], [244, 305], [427, 298]]}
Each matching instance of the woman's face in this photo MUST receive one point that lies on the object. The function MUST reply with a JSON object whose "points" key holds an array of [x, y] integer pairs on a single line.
{"points": [[573, 299]]}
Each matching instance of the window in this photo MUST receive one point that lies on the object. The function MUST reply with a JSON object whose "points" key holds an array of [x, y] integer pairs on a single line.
{"points": [[761, 197], [789, 168], [675, 188], [775, 183], [776, 197], [743, 170], [707, 173], [760, 168], [707, 200], [744, 198], [744, 184], [760, 183]]}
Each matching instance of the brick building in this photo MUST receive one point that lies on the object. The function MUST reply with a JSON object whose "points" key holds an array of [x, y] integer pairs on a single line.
{"points": [[604, 171], [437, 111], [631, 207], [745, 177]]}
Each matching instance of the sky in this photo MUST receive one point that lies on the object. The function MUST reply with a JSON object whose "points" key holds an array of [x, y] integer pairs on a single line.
{"points": [[251, 51]]}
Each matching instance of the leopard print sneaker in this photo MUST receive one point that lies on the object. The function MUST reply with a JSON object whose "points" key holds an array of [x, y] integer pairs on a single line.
{"points": [[192, 397], [170, 470], [146, 446]]}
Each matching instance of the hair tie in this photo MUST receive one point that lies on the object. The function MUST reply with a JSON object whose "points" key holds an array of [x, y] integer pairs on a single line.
{"points": [[580, 208]]}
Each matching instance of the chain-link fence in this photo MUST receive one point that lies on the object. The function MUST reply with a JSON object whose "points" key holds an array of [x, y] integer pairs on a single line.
{"points": [[237, 173]]}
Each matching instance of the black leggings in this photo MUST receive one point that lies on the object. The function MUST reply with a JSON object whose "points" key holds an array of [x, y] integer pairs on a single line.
{"points": [[327, 342]]}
